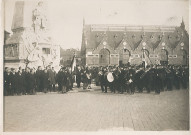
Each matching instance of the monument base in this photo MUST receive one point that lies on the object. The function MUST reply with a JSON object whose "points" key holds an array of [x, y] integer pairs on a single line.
{"points": [[14, 64]]}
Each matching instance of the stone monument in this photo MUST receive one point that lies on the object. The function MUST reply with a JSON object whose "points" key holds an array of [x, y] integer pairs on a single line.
{"points": [[30, 45]]}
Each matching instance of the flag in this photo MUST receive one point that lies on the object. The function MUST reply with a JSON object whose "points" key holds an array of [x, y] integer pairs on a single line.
{"points": [[146, 59], [73, 64]]}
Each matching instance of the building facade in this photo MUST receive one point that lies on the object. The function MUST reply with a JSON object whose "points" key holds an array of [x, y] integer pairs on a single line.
{"points": [[104, 45]]}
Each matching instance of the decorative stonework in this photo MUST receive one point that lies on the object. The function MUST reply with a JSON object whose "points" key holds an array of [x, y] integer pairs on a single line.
{"points": [[32, 39]]}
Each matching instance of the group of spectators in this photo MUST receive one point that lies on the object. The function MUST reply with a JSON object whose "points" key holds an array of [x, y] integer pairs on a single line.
{"points": [[28, 80], [124, 79]]}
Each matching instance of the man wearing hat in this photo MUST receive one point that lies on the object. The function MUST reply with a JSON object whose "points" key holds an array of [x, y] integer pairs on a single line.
{"points": [[13, 81], [39, 79], [102, 80], [79, 74], [64, 81], [7, 81], [51, 78]]}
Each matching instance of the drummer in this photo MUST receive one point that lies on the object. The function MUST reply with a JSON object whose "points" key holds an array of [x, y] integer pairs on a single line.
{"points": [[111, 80]]}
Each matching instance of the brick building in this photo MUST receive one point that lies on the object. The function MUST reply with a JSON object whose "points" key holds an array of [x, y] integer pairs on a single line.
{"points": [[119, 44]]}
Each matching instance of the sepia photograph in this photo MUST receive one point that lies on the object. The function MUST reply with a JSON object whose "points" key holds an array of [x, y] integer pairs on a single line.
{"points": [[95, 65]]}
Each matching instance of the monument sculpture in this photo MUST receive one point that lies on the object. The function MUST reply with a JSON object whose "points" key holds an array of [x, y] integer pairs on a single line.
{"points": [[30, 45]]}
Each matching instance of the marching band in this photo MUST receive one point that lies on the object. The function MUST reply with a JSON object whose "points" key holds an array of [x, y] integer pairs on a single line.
{"points": [[116, 79], [153, 78]]}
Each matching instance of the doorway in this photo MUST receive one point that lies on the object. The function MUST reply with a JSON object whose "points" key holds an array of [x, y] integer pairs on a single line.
{"points": [[104, 58]]}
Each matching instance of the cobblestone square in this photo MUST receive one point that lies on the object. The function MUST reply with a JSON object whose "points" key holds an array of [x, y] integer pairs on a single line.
{"points": [[96, 111]]}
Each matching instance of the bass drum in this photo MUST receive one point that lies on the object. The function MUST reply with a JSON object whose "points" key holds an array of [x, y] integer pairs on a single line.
{"points": [[110, 77]]}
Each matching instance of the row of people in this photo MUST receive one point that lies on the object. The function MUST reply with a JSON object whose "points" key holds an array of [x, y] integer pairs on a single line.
{"points": [[156, 78], [29, 81], [153, 78]]}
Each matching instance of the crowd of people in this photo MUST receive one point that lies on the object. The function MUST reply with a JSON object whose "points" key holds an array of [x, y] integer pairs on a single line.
{"points": [[118, 79], [152, 78]]}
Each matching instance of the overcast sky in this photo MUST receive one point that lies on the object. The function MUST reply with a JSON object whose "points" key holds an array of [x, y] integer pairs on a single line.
{"points": [[66, 16]]}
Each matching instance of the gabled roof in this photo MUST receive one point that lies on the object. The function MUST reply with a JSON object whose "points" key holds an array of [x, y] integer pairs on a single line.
{"points": [[135, 35]]}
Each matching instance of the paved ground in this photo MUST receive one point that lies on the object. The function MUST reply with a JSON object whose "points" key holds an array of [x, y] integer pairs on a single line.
{"points": [[96, 111]]}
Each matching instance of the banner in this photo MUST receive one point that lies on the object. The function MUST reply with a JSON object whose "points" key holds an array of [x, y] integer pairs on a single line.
{"points": [[73, 64]]}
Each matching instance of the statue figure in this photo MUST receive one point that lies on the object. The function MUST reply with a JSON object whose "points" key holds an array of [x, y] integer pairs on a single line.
{"points": [[39, 18], [29, 39], [35, 58]]}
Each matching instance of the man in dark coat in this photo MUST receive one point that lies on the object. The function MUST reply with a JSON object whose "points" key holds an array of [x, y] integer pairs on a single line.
{"points": [[69, 81], [158, 81], [27, 78], [117, 72], [105, 81], [184, 78], [70, 78], [85, 79], [39, 79], [151, 79], [130, 80], [32, 82], [59, 79], [7, 82], [138, 80], [52, 78], [177, 78], [79, 73], [131, 83], [121, 80], [64, 81], [13, 82], [45, 81], [169, 78], [162, 75], [20, 82], [146, 79], [101, 79]]}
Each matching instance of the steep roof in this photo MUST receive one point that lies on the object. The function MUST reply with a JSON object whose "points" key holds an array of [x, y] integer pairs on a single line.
{"points": [[133, 35]]}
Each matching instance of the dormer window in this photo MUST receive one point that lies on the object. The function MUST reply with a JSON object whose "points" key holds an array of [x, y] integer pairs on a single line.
{"points": [[115, 36]]}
